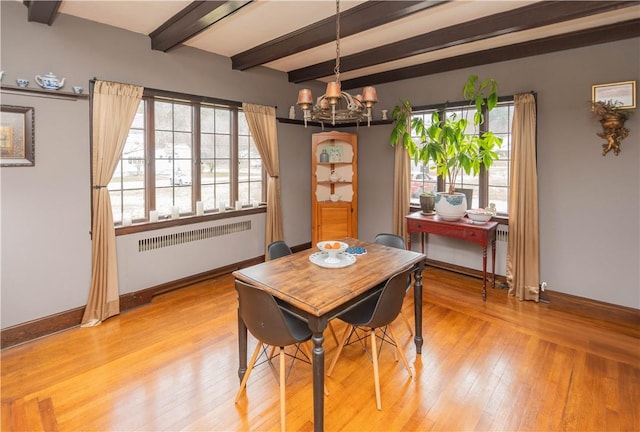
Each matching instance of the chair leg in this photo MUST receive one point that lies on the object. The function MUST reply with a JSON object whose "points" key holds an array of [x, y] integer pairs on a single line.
{"points": [[376, 375], [283, 426], [333, 333], [406, 321], [402, 356], [243, 384], [345, 336]]}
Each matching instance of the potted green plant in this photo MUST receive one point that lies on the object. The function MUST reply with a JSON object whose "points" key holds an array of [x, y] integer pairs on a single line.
{"points": [[453, 144], [612, 117]]}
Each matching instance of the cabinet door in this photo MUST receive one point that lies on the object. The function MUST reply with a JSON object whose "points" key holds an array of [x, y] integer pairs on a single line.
{"points": [[334, 221]]}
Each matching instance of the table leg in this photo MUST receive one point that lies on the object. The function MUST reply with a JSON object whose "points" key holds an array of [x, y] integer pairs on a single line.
{"points": [[242, 347], [484, 273], [317, 326], [493, 261], [417, 306]]}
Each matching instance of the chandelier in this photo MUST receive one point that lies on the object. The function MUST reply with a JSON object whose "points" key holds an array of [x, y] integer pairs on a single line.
{"points": [[336, 105]]}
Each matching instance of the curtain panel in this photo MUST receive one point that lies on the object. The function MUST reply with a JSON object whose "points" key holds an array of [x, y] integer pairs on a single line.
{"points": [[523, 260], [262, 124], [113, 108], [401, 190]]}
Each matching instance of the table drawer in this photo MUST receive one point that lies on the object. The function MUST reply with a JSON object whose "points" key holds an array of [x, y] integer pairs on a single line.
{"points": [[470, 234]]}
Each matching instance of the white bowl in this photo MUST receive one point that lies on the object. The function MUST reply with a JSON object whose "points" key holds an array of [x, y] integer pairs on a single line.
{"points": [[479, 216], [333, 251]]}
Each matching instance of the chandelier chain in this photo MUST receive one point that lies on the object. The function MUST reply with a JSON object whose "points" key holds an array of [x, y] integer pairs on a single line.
{"points": [[336, 70]]}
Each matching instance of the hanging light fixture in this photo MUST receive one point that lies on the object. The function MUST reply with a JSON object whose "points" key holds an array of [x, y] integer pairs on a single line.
{"points": [[336, 105]]}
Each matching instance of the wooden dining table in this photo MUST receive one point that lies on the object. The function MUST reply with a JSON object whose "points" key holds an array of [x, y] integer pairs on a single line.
{"points": [[318, 294]]}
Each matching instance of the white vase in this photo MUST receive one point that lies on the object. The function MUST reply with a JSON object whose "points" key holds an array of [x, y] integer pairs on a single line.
{"points": [[450, 207]]}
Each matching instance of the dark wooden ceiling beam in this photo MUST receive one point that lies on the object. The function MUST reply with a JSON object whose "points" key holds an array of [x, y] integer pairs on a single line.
{"points": [[357, 19], [42, 11], [190, 21], [524, 18], [578, 39]]}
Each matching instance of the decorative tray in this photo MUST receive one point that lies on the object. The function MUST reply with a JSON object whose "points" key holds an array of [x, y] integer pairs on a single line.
{"points": [[320, 259]]}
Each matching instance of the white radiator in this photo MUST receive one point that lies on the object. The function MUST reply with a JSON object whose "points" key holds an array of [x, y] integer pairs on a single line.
{"points": [[502, 238], [151, 258]]}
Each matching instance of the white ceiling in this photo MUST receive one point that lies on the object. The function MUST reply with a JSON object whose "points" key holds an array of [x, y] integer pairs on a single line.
{"points": [[265, 20]]}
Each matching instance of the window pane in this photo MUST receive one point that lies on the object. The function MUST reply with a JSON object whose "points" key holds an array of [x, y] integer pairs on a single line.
{"points": [[133, 202], [164, 201], [126, 187], [163, 115], [207, 120], [250, 172], [116, 205], [182, 118], [223, 121], [138, 120], [499, 175]]}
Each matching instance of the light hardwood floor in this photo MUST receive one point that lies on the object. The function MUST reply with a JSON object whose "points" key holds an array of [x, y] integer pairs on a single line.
{"points": [[499, 365]]}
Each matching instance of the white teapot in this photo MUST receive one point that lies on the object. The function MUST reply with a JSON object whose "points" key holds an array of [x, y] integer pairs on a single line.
{"points": [[334, 177], [334, 197], [50, 81]]}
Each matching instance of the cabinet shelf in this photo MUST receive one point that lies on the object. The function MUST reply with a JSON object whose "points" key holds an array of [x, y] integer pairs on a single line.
{"points": [[333, 163], [38, 92], [328, 182]]}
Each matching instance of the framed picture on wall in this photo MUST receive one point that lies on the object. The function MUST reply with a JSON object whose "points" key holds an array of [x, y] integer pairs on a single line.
{"points": [[16, 136], [623, 94]]}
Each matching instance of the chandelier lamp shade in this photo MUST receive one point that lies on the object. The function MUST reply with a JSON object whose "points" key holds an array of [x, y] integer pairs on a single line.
{"points": [[336, 105]]}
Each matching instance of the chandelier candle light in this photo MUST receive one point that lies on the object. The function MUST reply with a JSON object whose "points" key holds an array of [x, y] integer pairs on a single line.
{"points": [[336, 105]]}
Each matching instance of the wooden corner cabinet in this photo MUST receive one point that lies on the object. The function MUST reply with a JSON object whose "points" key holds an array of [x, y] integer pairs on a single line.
{"points": [[334, 186]]}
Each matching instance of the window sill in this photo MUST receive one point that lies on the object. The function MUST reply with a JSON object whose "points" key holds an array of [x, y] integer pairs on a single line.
{"points": [[187, 220]]}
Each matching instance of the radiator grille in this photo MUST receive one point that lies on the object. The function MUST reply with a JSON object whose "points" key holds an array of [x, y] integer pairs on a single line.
{"points": [[502, 234], [174, 239]]}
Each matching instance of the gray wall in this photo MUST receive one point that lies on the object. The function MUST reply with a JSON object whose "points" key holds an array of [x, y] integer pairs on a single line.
{"points": [[589, 205]]}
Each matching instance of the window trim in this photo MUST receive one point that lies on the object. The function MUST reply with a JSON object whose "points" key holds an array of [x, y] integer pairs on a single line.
{"points": [[196, 101]]}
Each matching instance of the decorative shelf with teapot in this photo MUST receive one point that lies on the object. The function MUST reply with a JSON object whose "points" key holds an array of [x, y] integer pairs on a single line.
{"points": [[334, 198], [50, 86]]}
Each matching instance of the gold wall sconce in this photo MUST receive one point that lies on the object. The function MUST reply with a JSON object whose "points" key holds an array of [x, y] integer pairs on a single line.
{"points": [[611, 105]]}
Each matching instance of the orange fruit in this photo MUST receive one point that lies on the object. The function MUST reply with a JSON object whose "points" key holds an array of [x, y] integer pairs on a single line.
{"points": [[336, 245], [327, 246]]}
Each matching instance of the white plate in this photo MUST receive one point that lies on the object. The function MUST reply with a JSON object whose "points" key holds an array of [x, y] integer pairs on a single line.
{"points": [[320, 259]]}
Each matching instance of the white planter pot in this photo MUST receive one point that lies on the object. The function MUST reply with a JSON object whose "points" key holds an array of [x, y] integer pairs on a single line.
{"points": [[451, 207]]}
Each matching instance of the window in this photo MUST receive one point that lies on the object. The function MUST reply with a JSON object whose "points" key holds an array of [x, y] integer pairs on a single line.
{"points": [[180, 152], [489, 186]]}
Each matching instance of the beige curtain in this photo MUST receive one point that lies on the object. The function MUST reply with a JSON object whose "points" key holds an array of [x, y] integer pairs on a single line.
{"points": [[523, 261], [262, 125], [401, 190], [113, 107]]}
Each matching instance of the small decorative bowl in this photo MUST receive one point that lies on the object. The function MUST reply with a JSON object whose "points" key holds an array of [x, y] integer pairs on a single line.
{"points": [[479, 216], [332, 248]]}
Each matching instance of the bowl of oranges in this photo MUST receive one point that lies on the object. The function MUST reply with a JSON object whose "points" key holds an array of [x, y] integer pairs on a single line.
{"points": [[332, 249]]}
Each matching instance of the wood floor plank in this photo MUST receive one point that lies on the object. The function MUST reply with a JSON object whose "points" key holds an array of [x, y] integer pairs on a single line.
{"points": [[495, 365]]}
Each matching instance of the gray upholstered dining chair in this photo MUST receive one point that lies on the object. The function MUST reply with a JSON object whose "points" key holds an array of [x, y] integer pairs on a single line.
{"points": [[374, 316], [268, 323], [396, 241]]}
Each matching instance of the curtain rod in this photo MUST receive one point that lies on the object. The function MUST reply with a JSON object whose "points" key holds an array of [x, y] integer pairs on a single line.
{"points": [[461, 103], [177, 95]]}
